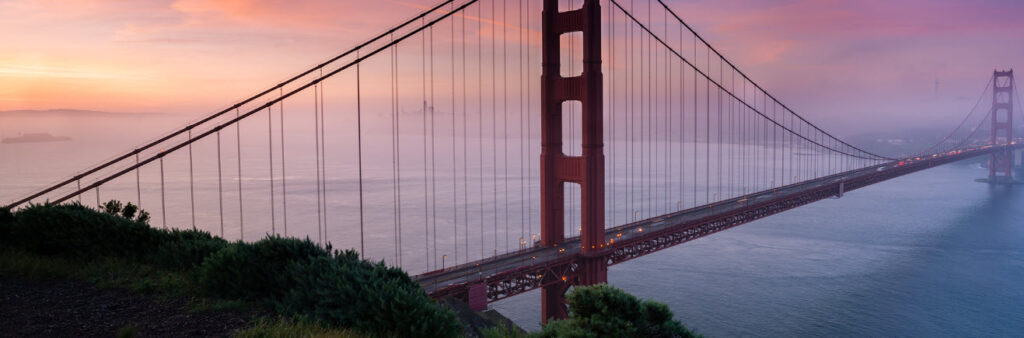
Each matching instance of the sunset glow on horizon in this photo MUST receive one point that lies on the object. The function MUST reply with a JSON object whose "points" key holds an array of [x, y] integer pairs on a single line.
{"points": [[835, 61]]}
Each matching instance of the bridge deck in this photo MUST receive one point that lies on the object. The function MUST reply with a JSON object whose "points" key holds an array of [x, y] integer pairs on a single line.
{"points": [[520, 271]]}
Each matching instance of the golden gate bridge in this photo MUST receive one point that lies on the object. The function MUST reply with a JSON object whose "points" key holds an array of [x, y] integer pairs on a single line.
{"points": [[496, 147]]}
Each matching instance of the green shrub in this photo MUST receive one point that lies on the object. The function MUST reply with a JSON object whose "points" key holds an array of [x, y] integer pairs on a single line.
{"points": [[114, 207], [74, 230], [255, 271], [185, 249], [295, 277], [605, 311], [298, 278], [348, 292]]}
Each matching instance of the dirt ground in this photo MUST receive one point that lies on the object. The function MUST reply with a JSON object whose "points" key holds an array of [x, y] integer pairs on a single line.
{"points": [[67, 308]]}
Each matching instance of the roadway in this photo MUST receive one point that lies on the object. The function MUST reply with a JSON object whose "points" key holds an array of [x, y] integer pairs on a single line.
{"points": [[474, 272]]}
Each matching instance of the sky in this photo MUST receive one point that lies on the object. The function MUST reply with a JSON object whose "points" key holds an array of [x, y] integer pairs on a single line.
{"points": [[843, 64]]}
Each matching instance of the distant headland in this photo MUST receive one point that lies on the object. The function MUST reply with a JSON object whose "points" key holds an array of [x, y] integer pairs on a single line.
{"points": [[34, 138]]}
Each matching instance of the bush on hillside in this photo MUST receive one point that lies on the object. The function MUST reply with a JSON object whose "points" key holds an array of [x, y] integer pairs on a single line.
{"points": [[349, 292], [127, 211], [295, 277], [74, 230], [298, 278], [604, 311], [185, 249], [255, 271]]}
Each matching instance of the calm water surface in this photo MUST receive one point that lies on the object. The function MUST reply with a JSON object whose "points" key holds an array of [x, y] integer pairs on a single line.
{"points": [[930, 254]]}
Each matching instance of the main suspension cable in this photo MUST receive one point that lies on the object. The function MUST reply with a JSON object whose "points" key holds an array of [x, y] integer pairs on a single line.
{"points": [[706, 76]]}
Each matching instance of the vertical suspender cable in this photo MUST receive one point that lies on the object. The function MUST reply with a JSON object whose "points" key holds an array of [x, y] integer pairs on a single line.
{"points": [[316, 145], [529, 123], [745, 153], [323, 154], [732, 137], [522, 171], [504, 103], [394, 144], [630, 152], [455, 182], [284, 177], [426, 183], [238, 137], [682, 129], [398, 157], [695, 113], [648, 112], [270, 152], [163, 196], [631, 124], [220, 187], [138, 182], [611, 109], [480, 120], [721, 78], [359, 145], [191, 181], [465, 147], [708, 131], [645, 142], [764, 128], [775, 150], [668, 122], [651, 145], [494, 126], [433, 149]]}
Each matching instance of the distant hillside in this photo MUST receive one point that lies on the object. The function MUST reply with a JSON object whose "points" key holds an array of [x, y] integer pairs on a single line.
{"points": [[71, 113]]}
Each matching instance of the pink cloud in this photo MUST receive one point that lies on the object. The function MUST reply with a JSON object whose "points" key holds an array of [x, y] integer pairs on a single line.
{"points": [[837, 60]]}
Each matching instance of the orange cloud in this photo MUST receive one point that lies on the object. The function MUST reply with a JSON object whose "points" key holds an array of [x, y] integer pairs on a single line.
{"points": [[191, 55]]}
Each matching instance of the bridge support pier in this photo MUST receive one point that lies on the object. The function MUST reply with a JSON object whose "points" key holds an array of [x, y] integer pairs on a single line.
{"points": [[552, 302], [557, 168], [1001, 164]]}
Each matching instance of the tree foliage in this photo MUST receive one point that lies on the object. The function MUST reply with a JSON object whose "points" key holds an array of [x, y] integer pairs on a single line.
{"points": [[605, 311], [292, 276]]}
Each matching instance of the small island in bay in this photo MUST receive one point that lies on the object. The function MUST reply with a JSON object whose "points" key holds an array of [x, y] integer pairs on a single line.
{"points": [[35, 138]]}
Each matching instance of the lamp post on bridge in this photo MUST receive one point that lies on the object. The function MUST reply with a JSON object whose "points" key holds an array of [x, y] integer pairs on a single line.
{"points": [[556, 167]]}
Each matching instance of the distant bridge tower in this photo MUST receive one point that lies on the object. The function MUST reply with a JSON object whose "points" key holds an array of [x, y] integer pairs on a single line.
{"points": [[556, 167], [1001, 164]]}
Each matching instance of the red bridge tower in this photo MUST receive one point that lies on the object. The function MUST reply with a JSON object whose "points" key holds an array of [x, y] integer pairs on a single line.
{"points": [[556, 168], [1001, 164]]}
